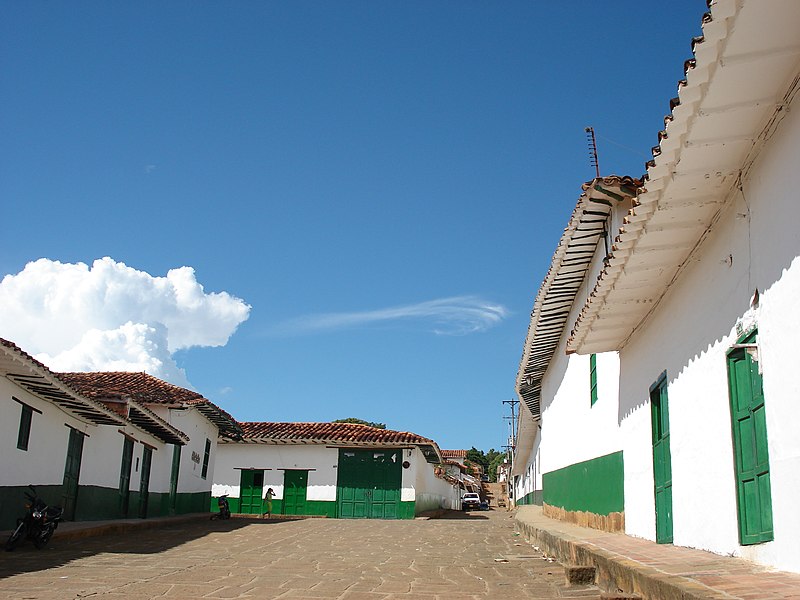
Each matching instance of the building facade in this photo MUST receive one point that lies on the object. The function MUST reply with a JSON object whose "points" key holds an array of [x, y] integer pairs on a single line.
{"points": [[342, 470], [103, 445], [696, 297]]}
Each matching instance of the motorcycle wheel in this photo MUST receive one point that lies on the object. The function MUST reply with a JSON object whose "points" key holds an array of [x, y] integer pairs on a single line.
{"points": [[15, 537], [40, 541]]}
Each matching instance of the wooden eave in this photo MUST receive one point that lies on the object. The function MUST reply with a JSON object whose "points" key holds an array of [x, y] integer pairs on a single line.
{"points": [[145, 419], [740, 83], [564, 279], [227, 425]]}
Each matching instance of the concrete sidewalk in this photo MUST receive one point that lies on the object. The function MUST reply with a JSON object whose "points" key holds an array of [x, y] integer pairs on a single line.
{"points": [[655, 571]]}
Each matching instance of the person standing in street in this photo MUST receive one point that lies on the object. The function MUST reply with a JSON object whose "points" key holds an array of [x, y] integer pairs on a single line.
{"points": [[268, 497]]}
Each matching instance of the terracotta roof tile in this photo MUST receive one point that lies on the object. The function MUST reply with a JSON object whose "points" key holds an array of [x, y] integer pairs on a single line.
{"points": [[328, 432], [454, 453], [139, 386], [146, 389]]}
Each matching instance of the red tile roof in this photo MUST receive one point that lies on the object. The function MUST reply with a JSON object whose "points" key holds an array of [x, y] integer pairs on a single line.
{"points": [[146, 389], [454, 453], [139, 386], [328, 432]]}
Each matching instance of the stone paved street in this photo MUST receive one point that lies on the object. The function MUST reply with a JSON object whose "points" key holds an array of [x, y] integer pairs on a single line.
{"points": [[460, 558]]}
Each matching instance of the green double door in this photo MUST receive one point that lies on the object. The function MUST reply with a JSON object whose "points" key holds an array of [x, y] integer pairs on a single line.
{"points": [[369, 482]]}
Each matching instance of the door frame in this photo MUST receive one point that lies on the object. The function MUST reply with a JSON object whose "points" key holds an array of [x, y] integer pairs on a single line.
{"points": [[144, 481], [662, 459], [750, 444], [173, 478], [286, 481], [125, 476], [250, 476], [72, 472]]}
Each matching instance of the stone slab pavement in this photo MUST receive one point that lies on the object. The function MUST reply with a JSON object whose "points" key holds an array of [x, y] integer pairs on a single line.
{"points": [[655, 571], [462, 556]]}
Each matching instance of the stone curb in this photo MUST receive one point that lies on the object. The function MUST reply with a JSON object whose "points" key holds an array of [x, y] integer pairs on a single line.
{"points": [[616, 573], [83, 529]]}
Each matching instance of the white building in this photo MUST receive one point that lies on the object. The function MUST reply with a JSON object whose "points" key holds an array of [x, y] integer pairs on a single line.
{"points": [[697, 296], [342, 470], [570, 393], [103, 445]]}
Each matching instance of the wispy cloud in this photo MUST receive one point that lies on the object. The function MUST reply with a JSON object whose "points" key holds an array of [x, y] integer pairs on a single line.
{"points": [[459, 315]]}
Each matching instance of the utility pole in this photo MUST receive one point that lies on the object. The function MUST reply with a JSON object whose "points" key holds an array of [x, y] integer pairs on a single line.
{"points": [[513, 418]]}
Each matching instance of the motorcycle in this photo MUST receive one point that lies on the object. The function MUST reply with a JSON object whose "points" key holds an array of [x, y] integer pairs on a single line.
{"points": [[224, 508], [38, 524]]}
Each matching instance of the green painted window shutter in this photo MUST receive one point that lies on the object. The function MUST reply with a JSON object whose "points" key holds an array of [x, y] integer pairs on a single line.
{"points": [[751, 454], [593, 378]]}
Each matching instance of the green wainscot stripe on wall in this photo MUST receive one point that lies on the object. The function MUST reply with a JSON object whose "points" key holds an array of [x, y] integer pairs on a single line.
{"points": [[595, 486], [12, 502], [534, 497], [95, 503], [314, 508]]}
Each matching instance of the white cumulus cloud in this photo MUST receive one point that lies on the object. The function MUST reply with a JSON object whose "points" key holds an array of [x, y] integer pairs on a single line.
{"points": [[111, 316]]}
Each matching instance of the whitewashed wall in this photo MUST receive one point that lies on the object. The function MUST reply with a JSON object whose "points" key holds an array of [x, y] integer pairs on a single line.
{"points": [[754, 244], [573, 430], [43, 462], [198, 428], [102, 457], [320, 461], [431, 492]]}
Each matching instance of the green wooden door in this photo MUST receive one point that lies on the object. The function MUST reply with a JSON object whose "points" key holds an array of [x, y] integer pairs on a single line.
{"points": [[250, 490], [72, 471], [352, 485], [384, 501], [173, 479], [369, 483], [144, 482], [295, 484], [749, 425], [662, 459], [125, 476]]}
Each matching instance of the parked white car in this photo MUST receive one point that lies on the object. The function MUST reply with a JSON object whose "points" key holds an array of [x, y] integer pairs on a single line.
{"points": [[470, 500]]}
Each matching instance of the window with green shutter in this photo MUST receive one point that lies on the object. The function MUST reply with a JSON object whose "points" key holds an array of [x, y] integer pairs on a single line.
{"points": [[25, 420], [206, 458], [593, 378], [751, 454]]}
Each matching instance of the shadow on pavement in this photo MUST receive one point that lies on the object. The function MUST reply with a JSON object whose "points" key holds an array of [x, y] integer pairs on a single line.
{"points": [[463, 515], [27, 559]]}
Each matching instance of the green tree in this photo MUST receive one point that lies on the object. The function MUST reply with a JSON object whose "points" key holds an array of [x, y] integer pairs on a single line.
{"points": [[487, 460], [478, 457], [361, 422], [493, 464]]}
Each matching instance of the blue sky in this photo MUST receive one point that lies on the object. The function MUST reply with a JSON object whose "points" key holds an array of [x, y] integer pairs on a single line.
{"points": [[369, 193]]}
